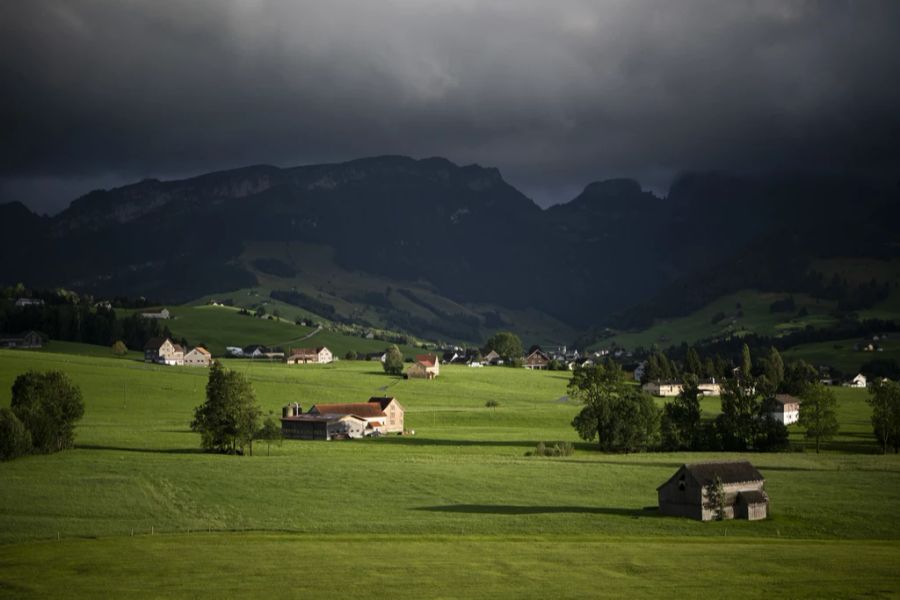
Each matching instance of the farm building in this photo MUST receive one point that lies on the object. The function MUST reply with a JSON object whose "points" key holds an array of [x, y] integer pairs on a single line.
{"points": [[787, 409], [538, 359], [687, 493], [163, 351], [198, 357], [260, 351], [29, 339], [303, 356], [858, 382], [297, 426], [664, 389], [427, 366], [162, 315], [394, 411], [370, 412]]}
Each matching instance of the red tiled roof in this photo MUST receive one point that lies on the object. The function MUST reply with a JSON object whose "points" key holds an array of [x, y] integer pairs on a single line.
{"points": [[360, 409], [426, 359], [202, 350], [786, 399]]}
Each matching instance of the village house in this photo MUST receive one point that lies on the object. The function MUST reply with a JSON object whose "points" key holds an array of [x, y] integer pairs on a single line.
{"points": [[688, 492], [538, 359], [787, 409], [260, 351], [491, 358], [379, 356], [664, 389], [303, 356], [858, 382], [27, 340], [427, 366], [163, 351], [710, 387], [163, 314], [198, 357], [235, 351]]}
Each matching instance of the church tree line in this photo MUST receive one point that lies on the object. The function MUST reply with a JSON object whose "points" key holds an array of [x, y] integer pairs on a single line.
{"points": [[623, 418], [69, 317]]}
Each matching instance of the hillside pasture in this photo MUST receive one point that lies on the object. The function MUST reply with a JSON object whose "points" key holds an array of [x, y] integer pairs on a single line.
{"points": [[456, 510], [736, 314]]}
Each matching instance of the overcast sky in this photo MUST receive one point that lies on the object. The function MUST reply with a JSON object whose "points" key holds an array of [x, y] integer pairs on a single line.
{"points": [[554, 94]]}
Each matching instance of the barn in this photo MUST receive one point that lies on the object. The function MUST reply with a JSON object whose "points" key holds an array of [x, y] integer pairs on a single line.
{"points": [[687, 493]]}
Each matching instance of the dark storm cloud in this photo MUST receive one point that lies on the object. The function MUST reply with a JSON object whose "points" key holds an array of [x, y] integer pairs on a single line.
{"points": [[554, 94]]}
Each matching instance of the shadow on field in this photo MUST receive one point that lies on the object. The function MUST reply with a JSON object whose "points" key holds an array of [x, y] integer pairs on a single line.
{"points": [[141, 450], [423, 441], [509, 509]]}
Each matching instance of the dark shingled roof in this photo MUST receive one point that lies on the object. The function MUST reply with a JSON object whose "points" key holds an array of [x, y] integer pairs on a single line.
{"points": [[786, 399], [381, 401], [728, 472], [753, 497]]}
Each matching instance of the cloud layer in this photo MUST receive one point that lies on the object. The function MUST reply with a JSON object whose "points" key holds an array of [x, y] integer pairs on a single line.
{"points": [[555, 94]]}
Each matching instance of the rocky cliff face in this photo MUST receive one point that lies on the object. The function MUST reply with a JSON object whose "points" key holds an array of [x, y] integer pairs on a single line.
{"points": [[461, 228]]}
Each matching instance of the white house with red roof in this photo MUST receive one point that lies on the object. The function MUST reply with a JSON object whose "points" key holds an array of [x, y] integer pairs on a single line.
{"points": [[427, 366]]}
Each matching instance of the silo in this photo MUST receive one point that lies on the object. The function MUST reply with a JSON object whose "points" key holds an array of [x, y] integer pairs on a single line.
{"points": [[287, 411]]}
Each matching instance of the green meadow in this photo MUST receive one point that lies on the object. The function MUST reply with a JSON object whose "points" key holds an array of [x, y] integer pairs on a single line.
{"points": [[456, 510]]}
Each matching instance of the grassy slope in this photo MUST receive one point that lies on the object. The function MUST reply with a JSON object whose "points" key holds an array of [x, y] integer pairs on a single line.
{"points": [[841, 353], [221, 326], [321, 278], [455, 510], [757, 318]]}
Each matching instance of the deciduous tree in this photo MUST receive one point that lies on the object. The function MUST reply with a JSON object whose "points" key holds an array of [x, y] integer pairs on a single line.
{"points": [[48, 404], [818, 414], [229, 419], [393, 361]]}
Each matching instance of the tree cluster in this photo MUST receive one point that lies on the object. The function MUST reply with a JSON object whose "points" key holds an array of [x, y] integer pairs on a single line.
{"points": [[228, 421], [507, 345], [884, 398], [619, 415], [42, 415]]}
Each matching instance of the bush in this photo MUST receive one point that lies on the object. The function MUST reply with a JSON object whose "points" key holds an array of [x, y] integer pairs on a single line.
{"points": [[15, 440], [557, 449], [351, 355], [119, 348], [491, 404]]}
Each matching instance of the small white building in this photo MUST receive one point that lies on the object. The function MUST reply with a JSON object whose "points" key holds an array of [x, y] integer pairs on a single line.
{"points": [[858, 382], [163, 314], [664, 389], [234, 350], [710, 387], [787, 409]]}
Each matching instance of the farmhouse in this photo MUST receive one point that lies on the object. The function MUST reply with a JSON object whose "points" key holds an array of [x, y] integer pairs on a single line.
{"points": [[163, 351], [394, 411], [663, 388], [303, 356], [29, 339], [688, 492], [710, 387], [787, 409], [163, 314], [198, 357], [858, 382], [538, 359], [427, 366], [491, 358]]}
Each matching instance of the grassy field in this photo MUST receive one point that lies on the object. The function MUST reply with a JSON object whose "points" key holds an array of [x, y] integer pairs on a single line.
{"points": [[842, 355], [745, 312], [457, 510], [216, 327]]}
